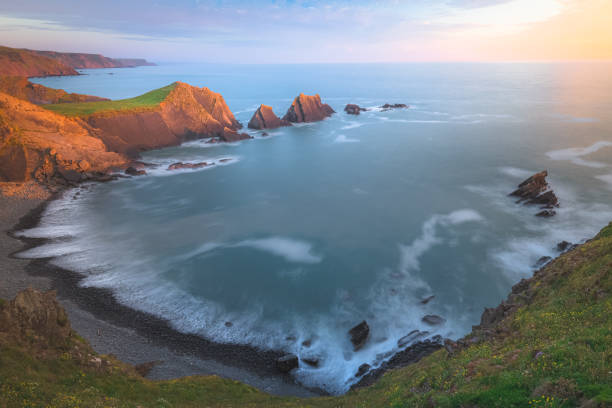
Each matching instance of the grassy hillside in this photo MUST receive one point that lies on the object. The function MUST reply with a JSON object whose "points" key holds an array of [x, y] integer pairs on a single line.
{"points": [[552, 349], [148, 100]]}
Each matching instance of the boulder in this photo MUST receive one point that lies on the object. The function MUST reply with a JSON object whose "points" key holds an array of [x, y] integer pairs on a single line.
{"points": [[433, 320], [543, 261], [535, 190], [308, 108], [546, 213], [359, 335], [353, 109], [427, 299], [564, 246], [265, 118], [287, 363]]}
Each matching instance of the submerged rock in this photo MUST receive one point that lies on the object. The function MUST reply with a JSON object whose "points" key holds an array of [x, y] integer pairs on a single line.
{"points": [[359, 335], [433, 320], [265, 118], [543, 261], [546, 213], [287, 363], [535, 190], [308, 108], [427, 299], [311, 361], [353, 109]]}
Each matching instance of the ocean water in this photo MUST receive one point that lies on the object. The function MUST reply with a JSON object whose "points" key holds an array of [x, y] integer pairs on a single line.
{"points": [[307, 232]]}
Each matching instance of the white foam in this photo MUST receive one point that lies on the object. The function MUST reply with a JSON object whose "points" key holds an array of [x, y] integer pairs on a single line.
{"points": [[344, 139], [352, 125], [606, 178], [575, 154], [515, 172], [291, 249]]}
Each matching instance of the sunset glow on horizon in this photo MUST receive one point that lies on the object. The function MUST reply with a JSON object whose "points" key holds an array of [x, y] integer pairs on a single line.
{"points": [[285, 31]]}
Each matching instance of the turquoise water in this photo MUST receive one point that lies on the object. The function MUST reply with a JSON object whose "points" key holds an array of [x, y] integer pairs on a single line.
{"points": [[306, 232]]}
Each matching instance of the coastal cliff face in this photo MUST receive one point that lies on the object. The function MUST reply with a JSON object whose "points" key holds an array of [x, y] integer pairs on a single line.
{"points": [[82, 60], [187, 112], [308, 108], [30, 63], [265, 118], [36, 143], [26, 63], [20, 87]]}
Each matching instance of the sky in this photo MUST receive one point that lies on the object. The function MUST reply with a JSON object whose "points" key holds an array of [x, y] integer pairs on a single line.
{"points": [[314, 31]]}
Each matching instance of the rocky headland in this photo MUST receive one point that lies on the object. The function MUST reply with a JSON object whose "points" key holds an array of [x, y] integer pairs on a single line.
{"points": [[31, 63], [265, 118], [308, 108]]}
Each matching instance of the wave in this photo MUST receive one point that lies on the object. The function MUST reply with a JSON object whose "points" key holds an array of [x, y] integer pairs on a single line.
{"points": [[344, 139], [576, 154]]}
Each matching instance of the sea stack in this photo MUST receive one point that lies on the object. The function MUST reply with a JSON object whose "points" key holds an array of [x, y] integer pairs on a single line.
{"points": [[308, 108], [265, 118], [535, 190]]}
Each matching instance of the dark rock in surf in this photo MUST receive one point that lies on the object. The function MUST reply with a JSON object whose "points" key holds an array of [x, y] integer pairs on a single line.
{"points": [[543, 261], [388, 106], [311, 361], [565, 246], [265, 118], [427, 299], [359, 335], [353, 109], [410, 337], [536, 191], [433, 320], [287, 363], [181, 165], [132, 171], [364, 368], [546, 213]]}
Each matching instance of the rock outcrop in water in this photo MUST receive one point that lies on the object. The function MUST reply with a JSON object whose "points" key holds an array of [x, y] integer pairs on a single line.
{"points": [[181, 165], [265, 118], [536, 191], [359, 335], [308, 108], [20, 87], [353, 109], [388, 106]]}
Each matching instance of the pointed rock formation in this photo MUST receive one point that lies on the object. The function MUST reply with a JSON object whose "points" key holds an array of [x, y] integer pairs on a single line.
{"points": [[264, 118], [308, 108], [535, 190]]}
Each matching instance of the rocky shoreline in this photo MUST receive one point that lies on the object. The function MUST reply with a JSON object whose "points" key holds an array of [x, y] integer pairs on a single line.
{"points": [[103, 321]]}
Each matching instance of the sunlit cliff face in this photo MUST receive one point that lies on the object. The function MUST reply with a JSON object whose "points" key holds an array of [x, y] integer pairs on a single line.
{"points": [[275, 31]]}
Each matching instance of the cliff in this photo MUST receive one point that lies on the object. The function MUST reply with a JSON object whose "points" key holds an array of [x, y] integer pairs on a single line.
{"points": [[36, 143], [31, 63], [265, 118], [185, 112], [547, 345], [82, 60], [308, 108], [26, 63], [21, 88]]}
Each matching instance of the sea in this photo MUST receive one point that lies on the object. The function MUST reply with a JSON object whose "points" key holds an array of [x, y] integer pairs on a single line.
{"points": [[304, 233]]}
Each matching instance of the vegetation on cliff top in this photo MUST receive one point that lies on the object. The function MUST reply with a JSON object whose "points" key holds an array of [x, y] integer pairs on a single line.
{"points": [[145, 101], [551, 350]]}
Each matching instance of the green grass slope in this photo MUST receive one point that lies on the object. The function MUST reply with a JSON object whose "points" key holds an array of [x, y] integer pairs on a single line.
{"points": [[145, 101], [553, 349]]}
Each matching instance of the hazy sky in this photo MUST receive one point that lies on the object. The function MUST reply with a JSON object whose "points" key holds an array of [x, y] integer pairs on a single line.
{"points": [[288, 31]]}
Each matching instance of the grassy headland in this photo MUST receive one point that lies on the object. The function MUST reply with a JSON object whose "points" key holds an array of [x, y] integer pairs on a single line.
{"points": [[147, 100], [550, 348]]}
